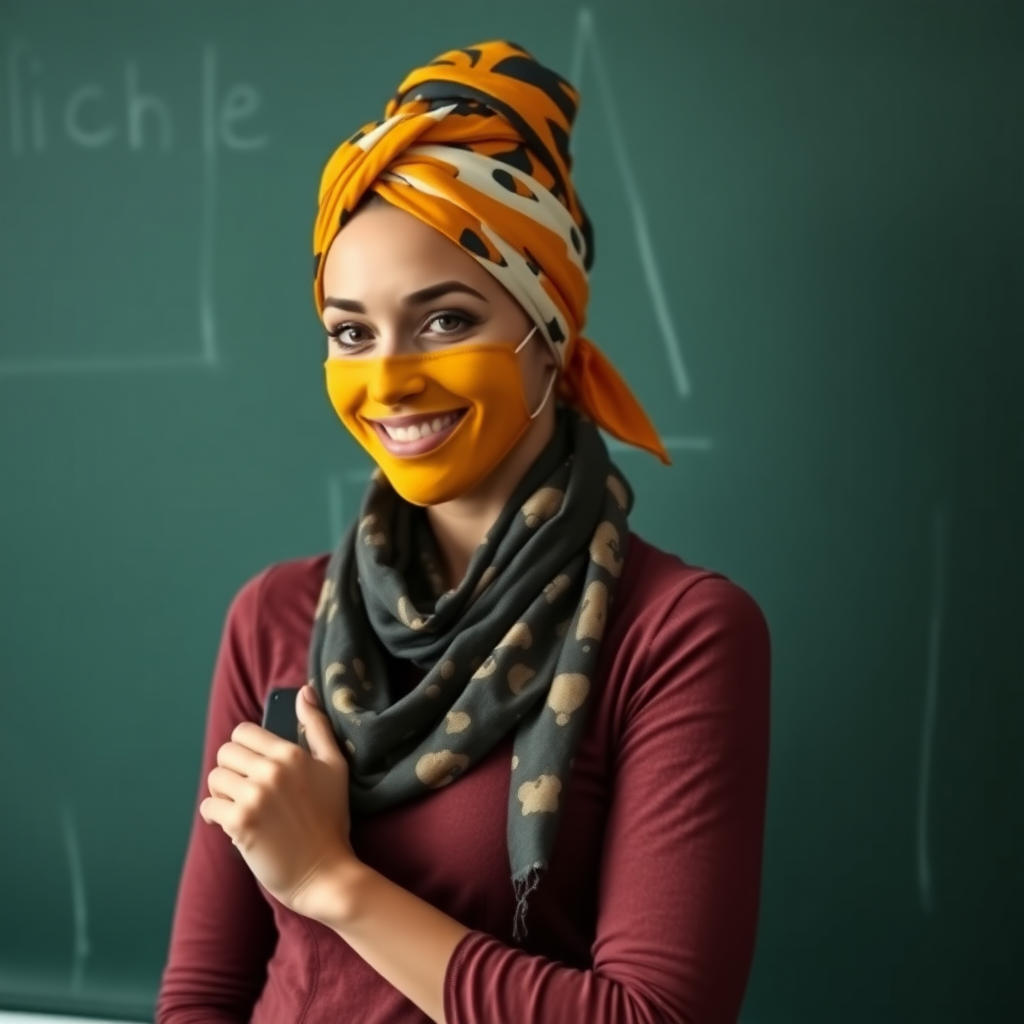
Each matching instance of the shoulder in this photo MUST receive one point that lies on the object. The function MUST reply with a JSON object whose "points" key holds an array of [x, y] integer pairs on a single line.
{"points": [[661, 588], [271, 614], [681, 626], [291, 584], [263, 642]]}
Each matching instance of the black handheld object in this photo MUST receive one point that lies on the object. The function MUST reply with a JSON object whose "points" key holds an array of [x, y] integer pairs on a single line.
{"points": [[279, 713]]}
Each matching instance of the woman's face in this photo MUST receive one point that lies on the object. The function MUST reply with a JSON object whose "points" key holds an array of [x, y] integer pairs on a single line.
{"points": [[394, 286]]}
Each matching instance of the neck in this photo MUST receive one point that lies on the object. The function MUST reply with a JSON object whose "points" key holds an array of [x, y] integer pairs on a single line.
{"points": [[461, 525]]}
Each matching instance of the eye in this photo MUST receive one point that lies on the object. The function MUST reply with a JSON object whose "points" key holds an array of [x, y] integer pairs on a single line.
{"points": [[348, 335], [450, 322]]}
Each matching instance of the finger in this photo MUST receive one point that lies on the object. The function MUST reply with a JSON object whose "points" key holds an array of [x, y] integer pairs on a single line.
{"points": [[318, 732], [254, 737], [239, 759], [227, 785], [223, 814], [213, 810]]}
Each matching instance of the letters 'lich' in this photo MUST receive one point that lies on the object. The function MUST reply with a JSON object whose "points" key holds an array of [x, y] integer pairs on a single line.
{"points": [[121, 112]]}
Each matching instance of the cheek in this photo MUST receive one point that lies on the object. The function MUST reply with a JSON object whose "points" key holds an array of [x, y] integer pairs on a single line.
{"points": [[346, 385], [536, 378]]}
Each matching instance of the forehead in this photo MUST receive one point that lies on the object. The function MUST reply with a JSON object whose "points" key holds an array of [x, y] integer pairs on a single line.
{"points": [[383, 248]]}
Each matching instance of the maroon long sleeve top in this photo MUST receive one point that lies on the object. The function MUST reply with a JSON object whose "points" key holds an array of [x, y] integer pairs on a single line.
{"points": [[649, 910]]}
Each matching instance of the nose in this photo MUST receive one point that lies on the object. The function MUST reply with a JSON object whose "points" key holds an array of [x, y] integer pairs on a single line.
{"points": [[394, 384]]}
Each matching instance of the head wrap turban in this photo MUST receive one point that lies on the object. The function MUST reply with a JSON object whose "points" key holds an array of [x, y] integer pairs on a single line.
{"points": [[476, 145]]}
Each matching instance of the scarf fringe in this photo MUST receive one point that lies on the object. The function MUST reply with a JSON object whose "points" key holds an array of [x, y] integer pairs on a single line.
{"points": [[523, 886]]}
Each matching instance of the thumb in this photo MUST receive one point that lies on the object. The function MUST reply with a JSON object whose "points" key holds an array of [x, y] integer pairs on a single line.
{"points": [[318, 732]]}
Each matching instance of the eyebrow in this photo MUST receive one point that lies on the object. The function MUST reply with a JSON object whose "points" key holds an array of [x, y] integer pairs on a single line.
{"points": [[434, 291]]}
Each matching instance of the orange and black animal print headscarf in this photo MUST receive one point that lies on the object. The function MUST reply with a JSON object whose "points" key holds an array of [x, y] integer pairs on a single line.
{"points": [[476, 144]]}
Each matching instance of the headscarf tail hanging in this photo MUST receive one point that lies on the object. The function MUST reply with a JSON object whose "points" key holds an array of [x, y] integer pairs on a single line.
{"points": [[595, 387]]}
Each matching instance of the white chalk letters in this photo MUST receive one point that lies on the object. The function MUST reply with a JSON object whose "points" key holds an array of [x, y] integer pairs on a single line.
{"points": [[121, 110]]}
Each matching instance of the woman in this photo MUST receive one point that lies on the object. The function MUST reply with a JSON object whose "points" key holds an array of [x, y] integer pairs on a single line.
{"points": [[552, 736]]}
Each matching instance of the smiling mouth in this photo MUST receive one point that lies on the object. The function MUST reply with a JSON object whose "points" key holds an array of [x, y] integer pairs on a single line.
{"points": [[416, 435]]}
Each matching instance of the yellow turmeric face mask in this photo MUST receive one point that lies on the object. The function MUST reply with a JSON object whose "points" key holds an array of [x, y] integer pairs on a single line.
{"points": [[466, 411]]}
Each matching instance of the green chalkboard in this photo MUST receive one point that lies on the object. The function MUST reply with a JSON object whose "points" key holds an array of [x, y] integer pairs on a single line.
{"points": [[810, 257]]}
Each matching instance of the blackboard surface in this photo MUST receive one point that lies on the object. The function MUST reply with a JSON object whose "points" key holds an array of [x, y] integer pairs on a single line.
{"points": [[809, 234]]}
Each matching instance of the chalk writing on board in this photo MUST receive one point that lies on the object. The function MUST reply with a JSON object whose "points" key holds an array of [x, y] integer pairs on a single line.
{"points": [[673, 444], [931, 696], [123, 110], [585, 45], [132, 116], [79, 902]]}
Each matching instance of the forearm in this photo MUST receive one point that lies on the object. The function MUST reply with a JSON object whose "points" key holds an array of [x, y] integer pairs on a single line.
{"points": [[405, 939], [411, 944]]}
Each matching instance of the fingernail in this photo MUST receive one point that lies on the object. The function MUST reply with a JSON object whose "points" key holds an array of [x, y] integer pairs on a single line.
{"points": [[310, 695]]}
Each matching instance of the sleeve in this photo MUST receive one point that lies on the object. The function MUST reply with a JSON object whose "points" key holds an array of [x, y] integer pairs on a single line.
{"points": [[681, 871], [223, 931]]}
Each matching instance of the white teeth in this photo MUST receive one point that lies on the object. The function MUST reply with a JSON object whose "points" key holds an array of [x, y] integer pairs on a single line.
{"points": [[424, 429]]}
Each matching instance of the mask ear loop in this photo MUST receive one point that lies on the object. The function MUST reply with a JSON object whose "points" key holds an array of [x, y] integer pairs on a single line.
{"points": [[522, 344], [551, 383], [547, 395]]}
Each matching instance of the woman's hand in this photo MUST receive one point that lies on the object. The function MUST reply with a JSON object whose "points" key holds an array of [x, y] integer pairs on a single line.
{"points": [[287, 810]]}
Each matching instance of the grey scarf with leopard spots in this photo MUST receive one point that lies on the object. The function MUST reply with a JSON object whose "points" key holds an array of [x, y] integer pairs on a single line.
{"points": [[514, 647]]}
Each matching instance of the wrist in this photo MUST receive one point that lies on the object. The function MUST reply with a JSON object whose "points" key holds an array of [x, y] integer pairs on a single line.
{"points": [[346, 884]]}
